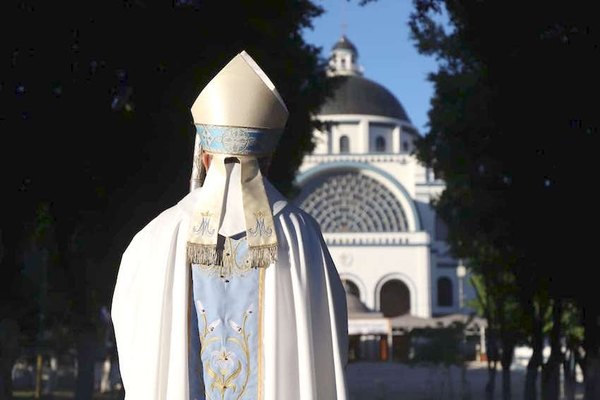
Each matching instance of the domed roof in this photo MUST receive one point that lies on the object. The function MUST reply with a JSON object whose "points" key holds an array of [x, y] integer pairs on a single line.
{"points": [[358, 95], [344, 44]]}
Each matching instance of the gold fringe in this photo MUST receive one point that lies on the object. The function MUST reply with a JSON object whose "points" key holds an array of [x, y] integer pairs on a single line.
{"points": [[259, 256], [204, 254], [263, 256]]}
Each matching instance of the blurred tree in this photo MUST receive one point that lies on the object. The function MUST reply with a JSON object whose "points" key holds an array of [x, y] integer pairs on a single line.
{"points": [[94, 101], [513, 132]]}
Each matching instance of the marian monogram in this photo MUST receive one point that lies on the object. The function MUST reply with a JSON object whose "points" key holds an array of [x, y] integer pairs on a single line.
{"points": [[261, 228], [204, 228]]}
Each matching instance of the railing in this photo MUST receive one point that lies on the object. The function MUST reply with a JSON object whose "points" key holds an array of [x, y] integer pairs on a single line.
{"points": [[378, 239]]}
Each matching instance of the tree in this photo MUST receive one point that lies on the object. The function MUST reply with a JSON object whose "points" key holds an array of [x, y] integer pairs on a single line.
{"points": [[511, 133], [96, 100]]}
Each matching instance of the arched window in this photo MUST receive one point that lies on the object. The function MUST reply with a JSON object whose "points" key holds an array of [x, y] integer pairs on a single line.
{"points": [[351, 287], [344, 144], [380, 144], [444, 292], [394, 298]]}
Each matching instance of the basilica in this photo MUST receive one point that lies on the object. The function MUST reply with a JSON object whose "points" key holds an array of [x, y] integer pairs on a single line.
{"points": [[371, 196]]}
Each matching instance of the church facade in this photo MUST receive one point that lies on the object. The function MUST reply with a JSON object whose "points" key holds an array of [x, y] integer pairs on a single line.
{"points": [[371, 196]]}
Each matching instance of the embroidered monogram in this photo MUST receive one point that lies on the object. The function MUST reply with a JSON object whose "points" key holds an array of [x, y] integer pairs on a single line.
{"points": [[261, 228], [204, 228]]}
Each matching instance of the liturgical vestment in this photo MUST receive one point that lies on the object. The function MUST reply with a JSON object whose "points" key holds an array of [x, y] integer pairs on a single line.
{"points": [[274, 333]]}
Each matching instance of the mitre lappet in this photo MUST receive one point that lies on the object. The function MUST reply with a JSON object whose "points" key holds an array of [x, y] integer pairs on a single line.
{"points": [[239, 114]]}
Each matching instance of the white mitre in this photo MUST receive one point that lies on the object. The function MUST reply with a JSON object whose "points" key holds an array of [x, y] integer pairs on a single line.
{"points": [[238, 114]]}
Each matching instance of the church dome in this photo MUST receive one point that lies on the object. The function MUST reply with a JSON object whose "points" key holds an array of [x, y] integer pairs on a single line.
{"points": [[345, 44], [355, 94]]}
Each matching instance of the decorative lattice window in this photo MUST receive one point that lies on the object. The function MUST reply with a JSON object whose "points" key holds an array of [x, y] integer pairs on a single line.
{"points": [[353, 202]]}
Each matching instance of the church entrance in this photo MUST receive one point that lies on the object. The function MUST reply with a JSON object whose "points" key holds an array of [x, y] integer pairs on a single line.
{"points": [[394, 298]]}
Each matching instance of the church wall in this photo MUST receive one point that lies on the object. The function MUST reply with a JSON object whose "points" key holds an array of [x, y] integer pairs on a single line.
{"points": [[403, 171], [351, 129], [427, 217], [384, 132], [321, 140], [374, 265], [418, 258]]}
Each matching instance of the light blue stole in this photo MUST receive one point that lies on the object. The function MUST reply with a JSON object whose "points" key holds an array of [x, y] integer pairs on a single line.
{"points": [[225, 327]]}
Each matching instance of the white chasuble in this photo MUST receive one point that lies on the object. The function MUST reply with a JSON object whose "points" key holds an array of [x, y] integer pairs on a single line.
{"points": [[295, 313]]}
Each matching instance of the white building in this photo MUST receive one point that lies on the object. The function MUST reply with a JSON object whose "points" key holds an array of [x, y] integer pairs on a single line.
{"points": [[372, 198]]}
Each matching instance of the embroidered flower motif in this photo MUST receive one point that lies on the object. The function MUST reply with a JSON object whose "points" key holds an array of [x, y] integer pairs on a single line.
{"points": [[250, 309], [235, 326], [200, 307], [211, 327], [224, 359]]}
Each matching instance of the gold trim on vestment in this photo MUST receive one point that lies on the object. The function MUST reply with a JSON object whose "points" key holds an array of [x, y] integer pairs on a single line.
{"points": [[261, 281]]}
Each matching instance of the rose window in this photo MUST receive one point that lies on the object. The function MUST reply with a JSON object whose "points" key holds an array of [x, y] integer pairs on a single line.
{"points": [[352, 202]]}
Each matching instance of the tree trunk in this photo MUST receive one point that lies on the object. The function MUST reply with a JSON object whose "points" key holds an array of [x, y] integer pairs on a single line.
{"points": [[570, 368], [9, 352], [551, 370], [492, 360], [536, 360], [506, 382], [591, 314], [508, 348], [86, 358], [490, 386]]}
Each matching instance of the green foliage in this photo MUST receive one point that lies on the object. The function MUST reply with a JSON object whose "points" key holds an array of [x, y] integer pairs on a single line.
{"points": [[439, 345], [510, 130], [96, 99], [513, 134]]}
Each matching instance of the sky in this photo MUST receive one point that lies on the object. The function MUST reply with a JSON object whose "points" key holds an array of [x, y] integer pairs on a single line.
{"points": [[380, 32]]}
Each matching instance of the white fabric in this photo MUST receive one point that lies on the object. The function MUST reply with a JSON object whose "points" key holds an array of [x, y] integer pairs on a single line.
{"points": [[234, 219], [240, 94], [209, 211], [305, 318]]}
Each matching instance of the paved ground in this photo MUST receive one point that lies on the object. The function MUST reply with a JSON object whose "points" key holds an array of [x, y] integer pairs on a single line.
{"points": [[395, 381]]}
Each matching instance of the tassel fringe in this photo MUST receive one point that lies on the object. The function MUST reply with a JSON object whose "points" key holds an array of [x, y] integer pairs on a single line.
{"points": [[204, 254], [263, 256], [260, 256]]}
